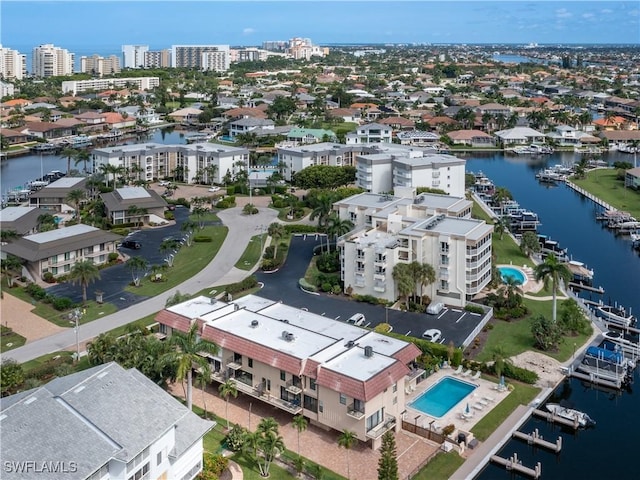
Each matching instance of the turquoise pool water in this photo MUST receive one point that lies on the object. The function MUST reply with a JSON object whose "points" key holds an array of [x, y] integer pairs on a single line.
{"points": [[442, 396], [515, 273]]}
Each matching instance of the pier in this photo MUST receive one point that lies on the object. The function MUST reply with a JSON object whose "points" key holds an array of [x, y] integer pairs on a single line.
{"points": [[590, 196], [515, 465], [551, 417], [536, 439]]}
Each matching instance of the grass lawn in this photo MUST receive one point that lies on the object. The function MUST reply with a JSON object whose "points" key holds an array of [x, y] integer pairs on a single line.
{"points": [[339, 128], [92, 310], [522, 394], [251, 255], [479, 213], [441, 467], [136, 324], [207, 217], [10, 339], [508, 252], [603, 183], [188, 262], [515, 336]]}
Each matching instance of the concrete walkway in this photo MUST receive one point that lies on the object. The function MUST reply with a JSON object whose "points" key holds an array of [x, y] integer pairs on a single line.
{"points": [[18, 316], [241, 229]]}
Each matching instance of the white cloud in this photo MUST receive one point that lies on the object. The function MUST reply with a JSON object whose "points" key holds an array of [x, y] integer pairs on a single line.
{"points": [[248, 31], [563, 13], [588, 15], [606, 10]]}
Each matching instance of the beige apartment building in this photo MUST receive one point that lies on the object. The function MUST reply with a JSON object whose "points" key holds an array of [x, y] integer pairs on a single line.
{"points": [[428, 228], [336, 374]]}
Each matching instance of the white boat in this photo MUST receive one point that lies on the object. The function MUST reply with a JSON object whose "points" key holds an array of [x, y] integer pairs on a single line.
{"points": [[576, 416], [616, 314]]}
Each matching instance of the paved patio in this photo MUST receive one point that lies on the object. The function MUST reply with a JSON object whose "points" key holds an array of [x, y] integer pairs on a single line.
{"points": [[316, 443]]}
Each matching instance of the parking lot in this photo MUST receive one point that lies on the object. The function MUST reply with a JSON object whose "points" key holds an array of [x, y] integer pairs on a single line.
{"points": [[454, 323]]}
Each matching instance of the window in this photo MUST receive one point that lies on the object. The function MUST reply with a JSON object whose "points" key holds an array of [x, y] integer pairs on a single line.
{"points": [[343, 399], [283, 375], [310, 403], [320, 406], [375, 419], [158, 458], [312, 384], [395, 400], [193, 472], [140, 473], [395, 388], [250, 362]]}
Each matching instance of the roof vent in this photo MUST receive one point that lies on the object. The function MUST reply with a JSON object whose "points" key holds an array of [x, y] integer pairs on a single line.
{"points": [[254, 323], [368, 351], [350, 343], [284, 334], [212, 301], [288, 336]]}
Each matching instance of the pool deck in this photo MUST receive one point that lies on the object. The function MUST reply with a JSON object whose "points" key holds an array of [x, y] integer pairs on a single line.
{"points": [[481, 401]]}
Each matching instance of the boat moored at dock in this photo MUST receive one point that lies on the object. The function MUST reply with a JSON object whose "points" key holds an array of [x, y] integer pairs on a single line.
{"points": [[582, 419], [616, 314]]}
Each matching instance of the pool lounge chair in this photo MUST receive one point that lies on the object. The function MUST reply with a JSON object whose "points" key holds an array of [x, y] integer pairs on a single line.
{"points": [[458, 371], [476, 375], [478, 406], [467, 373], [483, 402], [489, 399]]}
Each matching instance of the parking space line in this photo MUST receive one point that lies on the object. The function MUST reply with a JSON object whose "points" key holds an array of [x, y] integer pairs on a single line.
{"points": [[407, 334], [323, 313], [443, 312], [367, 325], [337, 317], [461, 317], [441, 341]]}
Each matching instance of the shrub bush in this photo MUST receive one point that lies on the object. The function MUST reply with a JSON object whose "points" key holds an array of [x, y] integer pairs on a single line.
{"points": [[235, 438], [369, 299], [328, 262], [46, 370], [326, 287], [231, 190], [213, 466], [474, 309], [113, 256], [203, 239], [62, 303], [120, 231], [168, 215], [521, 374], [307, 286], [48, 277], [270, 264], [268, 252], [246, 284], [36, 291], [448, 430], [295, 228], [336, 290]]}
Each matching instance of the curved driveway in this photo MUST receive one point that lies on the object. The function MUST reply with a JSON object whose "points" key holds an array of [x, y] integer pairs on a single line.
{"points": [[241, 229]]}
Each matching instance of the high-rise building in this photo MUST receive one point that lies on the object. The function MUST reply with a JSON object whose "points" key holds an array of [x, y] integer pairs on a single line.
{"points": [[97, 65], [302, 48], [51, 61], [191, 56], [13, 64], [133, 55], [275, 45], [157, 59]]}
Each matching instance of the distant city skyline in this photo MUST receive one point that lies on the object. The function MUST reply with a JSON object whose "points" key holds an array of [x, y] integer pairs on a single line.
{"points": [[87, 27]]}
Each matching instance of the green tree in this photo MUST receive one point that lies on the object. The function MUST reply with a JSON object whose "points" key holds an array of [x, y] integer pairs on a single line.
{"points": [[84, 273], [337, 227], [68, 153], [300, 424], [422, 274], [75, 197], [82, 156], [188, 349], [264, 445], [46, 222], [11, 376], [347, 440], [11, 267], [228, 389], [500, 226], [388, 461], [276, 232], [572, 317], [552, 272], [321, 209], [101, 349], [137, 266], [529, 243], [500, 359], [281, 107], [189, 227], [404, 281], [547, 334], [137, 213], [176, 298], [168, 248]]}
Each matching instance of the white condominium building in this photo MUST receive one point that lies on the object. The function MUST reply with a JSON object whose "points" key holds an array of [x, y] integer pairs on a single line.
{"points": [[193, 56], [13, 64], [433, 229], [157, 59], [337, 375], [197, 162], [51, 61], [394, 166], [370, 133], [303, 49], [133, 55], [97, 65], [139, 83], [297, 158]]}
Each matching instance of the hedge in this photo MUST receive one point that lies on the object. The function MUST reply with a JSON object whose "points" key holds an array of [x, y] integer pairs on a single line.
{"points": [[203, 239], [307, 286], [246, 284], [434, 349], [297, 228]]}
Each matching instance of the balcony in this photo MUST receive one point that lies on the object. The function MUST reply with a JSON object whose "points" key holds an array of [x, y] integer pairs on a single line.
{"points": [[383, 427], [415, 373], [294, 387], [359, 281], [264, 395], [233, 364], [354, 412]]}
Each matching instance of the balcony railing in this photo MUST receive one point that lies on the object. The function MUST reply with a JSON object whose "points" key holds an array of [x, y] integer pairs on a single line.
{"points": [[294, 387], [233, 364], [380, 429], [415, 373], [354, 412]]}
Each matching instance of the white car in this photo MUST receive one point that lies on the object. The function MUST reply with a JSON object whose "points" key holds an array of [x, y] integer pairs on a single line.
{"points": [[357, 319], [214, 189], [432, 335], [164, 183]]}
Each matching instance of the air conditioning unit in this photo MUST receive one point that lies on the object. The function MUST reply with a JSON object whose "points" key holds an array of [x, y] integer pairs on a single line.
{"points": [[254, 323]]}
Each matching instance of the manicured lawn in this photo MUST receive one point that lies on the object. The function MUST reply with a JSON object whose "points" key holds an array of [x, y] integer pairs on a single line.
{"points": [[10, 339], [508, 252], [441, 467], [603, 184], [252, 253], [515, 336], [188, 262], [207, 217], [522, 394], [339, 128], [479, 213], [91, 309]]}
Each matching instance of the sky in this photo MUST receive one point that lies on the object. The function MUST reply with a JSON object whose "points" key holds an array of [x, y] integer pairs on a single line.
{"points": [[87, 27]]}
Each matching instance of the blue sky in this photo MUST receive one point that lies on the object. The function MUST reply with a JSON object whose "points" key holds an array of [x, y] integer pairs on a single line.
{"points": [[102, 26]]}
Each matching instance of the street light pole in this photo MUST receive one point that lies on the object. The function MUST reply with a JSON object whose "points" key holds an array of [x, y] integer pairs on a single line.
{"points": [[76, 317]]}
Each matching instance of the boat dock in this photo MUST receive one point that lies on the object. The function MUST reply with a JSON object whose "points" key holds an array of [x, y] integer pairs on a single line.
{"points": [[515, 465], [588, 288], [536, 439], [590, 196], [553, 418]]}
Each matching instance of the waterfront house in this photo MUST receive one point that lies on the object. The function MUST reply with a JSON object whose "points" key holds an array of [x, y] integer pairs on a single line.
{"points": [[398, 123], [565, 135], [118, 205], [186, 115], [53, 197], [337, 375], [417, 137], [370, 133], [471, 138], [351, 115], [48, 130], [117, 121], [310, 135], [14, 137], [246, 125], [103, 423], [56, 251], [519, 136], [92, 118]]}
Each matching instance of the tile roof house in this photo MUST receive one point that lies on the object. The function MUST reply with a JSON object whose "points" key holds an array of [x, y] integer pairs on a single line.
{"points": [[119, 202], [472, 138], [398, 123], [333, 373], [186, 115], [56, 251], [102, 423], [48, 130], [519, 136]]}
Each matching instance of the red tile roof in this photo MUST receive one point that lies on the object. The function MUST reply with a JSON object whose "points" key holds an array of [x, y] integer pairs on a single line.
{"points": [[173, 320], [407, 354]]}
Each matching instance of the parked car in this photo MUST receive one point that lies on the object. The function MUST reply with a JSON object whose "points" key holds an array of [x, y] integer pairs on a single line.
{"points": [[435, 308], [214, 189], [432, 335], [164, 183], [131, 244], [357, 319]]}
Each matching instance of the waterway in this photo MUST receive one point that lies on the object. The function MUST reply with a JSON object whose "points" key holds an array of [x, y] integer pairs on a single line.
{"points": [[607, 450], [15, 172]]}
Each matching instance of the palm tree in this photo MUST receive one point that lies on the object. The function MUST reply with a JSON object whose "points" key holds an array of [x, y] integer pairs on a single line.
{"points": [[46, 222], [347, 440], [228, 389], [210, 172], [300, 424], [84, 273], [11, 266], [202, 381], [337, 227], [500, 359], [189, 226], [276, 231], [137, 266], [404, 281], [552, 271], [500, 226], [68, 153], [167, 248], [82, 156], [75, 197], [7, 235], [423, 274], [322, 209], [137, 213], [189, 347]]}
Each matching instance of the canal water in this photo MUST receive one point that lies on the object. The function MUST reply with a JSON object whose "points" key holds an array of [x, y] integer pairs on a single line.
{"points": [[607, 450]]}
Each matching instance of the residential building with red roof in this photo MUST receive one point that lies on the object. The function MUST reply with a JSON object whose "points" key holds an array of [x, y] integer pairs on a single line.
{"points": [[336, 374]]}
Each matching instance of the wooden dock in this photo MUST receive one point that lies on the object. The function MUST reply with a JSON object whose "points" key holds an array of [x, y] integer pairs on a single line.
{"points": [[536, 439], [515, 465], [596, 379], [590, 196], [551, 417], [588, 288]]}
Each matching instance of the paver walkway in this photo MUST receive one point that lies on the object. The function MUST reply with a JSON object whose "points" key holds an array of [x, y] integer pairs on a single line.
{"points": [[16, 314], [316, 444]]}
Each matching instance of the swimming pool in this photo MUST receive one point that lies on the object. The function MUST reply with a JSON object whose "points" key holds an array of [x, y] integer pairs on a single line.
{"points": [[515, 273], [442, 397]]}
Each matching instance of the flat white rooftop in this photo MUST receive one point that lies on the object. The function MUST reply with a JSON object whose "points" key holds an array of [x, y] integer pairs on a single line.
{"points": [[131, 193], [197, 307], [65, 182], [355, 364], [60, 233], [11, 214]]}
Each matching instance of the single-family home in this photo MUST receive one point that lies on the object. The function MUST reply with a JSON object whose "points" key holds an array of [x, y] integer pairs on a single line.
{"points": [[370, 133], [471, 138], [632, 178], [246, 125], [185, 115], [519, 136]]}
